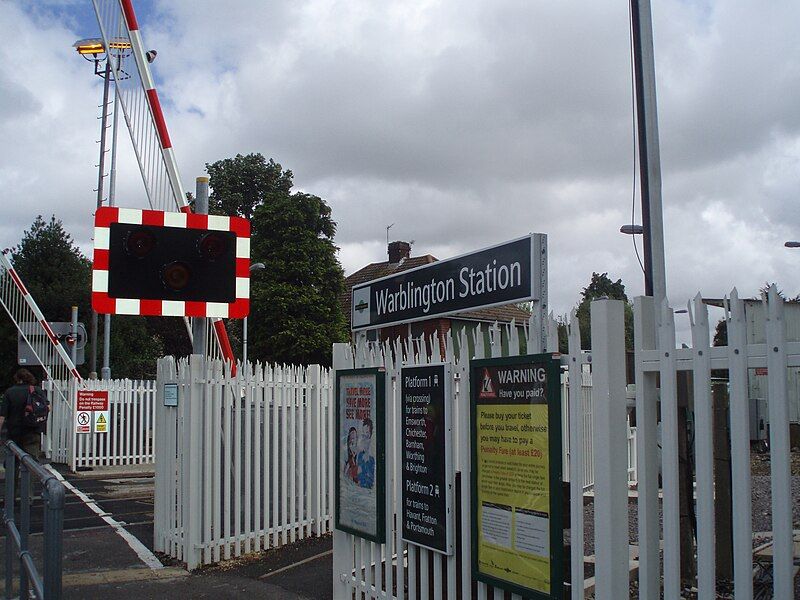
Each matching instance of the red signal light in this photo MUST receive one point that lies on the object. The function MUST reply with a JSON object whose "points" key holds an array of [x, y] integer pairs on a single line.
{"points": [[139, 243], [176, 275], [212, 245]]}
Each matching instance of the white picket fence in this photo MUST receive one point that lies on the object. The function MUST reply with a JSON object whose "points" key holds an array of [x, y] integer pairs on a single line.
{"points": [[243, 462], [397, 570], [131, 429]]}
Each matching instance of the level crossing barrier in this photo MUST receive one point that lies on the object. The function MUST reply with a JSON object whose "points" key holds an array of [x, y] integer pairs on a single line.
{"points": [[47, 584], [19, 305]]}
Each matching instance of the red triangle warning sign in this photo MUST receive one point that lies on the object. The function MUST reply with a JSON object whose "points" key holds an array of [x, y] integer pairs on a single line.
{"points": [[487, 387]]}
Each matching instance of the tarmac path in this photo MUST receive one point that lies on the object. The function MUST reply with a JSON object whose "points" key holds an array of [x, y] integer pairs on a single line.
{"points": [[111, 554]]}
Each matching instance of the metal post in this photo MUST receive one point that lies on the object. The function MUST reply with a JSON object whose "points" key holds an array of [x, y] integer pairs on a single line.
{"points": [[244, 341], [105, 372], [649, 158], [198, 324], [101, 167], [53, 496], [24, 524], [11, 460], [73, 331]]}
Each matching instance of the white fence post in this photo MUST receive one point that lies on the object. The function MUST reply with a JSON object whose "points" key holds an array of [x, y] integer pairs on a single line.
{"points": [[740, 450], [192, 448], [647, 449], [610, 449], [315, 439], [704, 451], [669, 456], [342, 542], [576, 458], [778, 407]]}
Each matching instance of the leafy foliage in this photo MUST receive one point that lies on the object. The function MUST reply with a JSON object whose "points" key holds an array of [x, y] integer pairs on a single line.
{"points": [[58, 276], [243, 183], [601, 286], [54, 270], [295, 313]]}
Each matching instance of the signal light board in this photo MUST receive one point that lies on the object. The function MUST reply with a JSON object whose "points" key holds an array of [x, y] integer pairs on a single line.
{"points": [[149, 262]]}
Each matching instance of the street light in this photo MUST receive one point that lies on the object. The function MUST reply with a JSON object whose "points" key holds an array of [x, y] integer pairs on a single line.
{"points": [[94, 49], [791, 244], [632, 229], [254, 267]]}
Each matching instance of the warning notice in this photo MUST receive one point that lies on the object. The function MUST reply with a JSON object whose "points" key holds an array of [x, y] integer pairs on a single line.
{"points": [[101, 421], [91, 411], [516, 473], [83, 422], [91, 400], [425, 439]]}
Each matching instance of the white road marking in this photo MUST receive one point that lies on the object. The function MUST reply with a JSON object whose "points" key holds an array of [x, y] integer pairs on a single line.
{"points": [[136, 545], [297, 564]]}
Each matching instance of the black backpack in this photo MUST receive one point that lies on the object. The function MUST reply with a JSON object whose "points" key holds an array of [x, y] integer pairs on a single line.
{"points": [[36, 409]]}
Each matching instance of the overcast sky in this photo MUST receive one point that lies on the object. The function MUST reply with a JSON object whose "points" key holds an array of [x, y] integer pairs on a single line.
{"points": [[465, 123]]}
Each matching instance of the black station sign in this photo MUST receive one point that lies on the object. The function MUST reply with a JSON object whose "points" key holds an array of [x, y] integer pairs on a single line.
{"points": [[514, 271]]}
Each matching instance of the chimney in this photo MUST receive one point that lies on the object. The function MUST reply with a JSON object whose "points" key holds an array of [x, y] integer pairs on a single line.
{"points": [[399, 251]]}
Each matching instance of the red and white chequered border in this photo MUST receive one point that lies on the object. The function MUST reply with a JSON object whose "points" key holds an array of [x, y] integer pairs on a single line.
{"points": [[105, 304]]}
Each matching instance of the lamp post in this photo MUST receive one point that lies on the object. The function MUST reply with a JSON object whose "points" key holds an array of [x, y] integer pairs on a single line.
{"points": [[632, 229], [94, 49], [254, 267]]}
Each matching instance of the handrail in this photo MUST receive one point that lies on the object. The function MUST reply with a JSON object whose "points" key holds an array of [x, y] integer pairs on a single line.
{"points": [[48, 585]]}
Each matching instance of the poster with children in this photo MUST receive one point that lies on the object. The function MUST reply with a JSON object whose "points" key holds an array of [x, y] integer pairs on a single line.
{"points": [[360, 505]]}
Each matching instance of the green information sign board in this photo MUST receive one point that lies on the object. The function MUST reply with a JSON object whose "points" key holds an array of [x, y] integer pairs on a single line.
{"points": [[517, 535]]}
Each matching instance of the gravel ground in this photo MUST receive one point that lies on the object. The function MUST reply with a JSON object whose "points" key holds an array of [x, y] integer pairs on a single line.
{"points": [[761, 514]]}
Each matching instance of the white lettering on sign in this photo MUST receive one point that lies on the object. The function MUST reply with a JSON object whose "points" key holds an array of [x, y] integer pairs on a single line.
{"points": [[472, 282], [475, 283], [537, 375]]}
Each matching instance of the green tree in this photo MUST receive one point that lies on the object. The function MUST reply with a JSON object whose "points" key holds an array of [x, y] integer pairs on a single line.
{"points": [[135, 348], [295, 311], [54, 270], [57, 275], [243, 183], [601, 286]]}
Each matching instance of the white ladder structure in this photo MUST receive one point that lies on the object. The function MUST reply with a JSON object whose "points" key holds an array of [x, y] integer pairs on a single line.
{"points": [[152, 146], [48, 349]]}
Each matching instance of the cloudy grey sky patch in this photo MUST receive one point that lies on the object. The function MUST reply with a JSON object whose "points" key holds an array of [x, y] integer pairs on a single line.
{"points": [[465, 123]]}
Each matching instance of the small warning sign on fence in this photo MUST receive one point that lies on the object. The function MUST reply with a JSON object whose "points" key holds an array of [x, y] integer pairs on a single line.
{"points": [[91, 411], [83, 422], [101, 421]]}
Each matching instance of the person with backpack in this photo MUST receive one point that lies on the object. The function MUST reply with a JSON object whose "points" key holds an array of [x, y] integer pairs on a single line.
{"points": [[24, 409]]}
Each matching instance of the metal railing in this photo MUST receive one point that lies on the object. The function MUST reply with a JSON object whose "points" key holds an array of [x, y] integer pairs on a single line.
{"points": [[46, 586]]}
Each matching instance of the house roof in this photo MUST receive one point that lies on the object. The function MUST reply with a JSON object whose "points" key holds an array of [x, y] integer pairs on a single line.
{"points": [[503, 314]]}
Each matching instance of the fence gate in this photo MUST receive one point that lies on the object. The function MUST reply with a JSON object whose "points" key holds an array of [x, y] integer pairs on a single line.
{"points": [[241, 460]]}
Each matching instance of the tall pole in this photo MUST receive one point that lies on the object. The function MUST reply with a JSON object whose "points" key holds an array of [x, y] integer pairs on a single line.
{"points": [[244, 342], [73, 331], [100, 177], [649, 158], [198, 324], [105, 372]]}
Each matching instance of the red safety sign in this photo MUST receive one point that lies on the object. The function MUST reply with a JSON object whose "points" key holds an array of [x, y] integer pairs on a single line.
{"points": [[91, 400]]}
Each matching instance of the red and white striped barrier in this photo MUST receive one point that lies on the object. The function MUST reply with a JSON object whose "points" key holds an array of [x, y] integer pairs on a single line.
{"points": [[12, 290]]}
